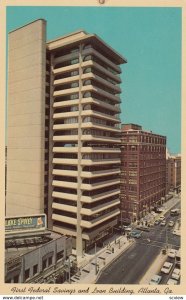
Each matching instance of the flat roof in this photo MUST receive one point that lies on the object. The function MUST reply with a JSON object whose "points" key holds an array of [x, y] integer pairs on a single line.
{"points": [[87, 36], [14, 252], [27, 24]]}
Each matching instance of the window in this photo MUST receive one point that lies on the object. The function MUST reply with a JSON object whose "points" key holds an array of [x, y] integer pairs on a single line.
{"points": [[70, 120], [74, 96], [50, 261], [74, 73], [74, 61], [60, 254], [74, 108], [35, 269], [74, 84], [87, 70], [44, 264], [88, 57], [87, 82], [27, 274], [86, 95]]}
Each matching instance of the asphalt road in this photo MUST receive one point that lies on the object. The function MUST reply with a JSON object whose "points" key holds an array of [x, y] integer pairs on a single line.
{"points": [[134, 262]]}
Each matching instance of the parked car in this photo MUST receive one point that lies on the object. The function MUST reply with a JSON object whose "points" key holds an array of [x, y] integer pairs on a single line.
{"points": [[175, 212], [172, 253], [171, 224], [162, 218], [156, 279], [128, 228], [153, 213], [163, 223], [157, 222], [176, 274], [160, 209], [136, 233], [172, 281], [166, 267]]}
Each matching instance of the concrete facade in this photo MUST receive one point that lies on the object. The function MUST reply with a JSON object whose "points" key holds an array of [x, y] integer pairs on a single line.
{"points": [[30, 262], [63, 132], [26, 120], [84, 126]]}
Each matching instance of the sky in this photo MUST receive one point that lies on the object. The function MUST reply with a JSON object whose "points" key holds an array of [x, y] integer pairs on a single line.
{"points": [[148, 37]]}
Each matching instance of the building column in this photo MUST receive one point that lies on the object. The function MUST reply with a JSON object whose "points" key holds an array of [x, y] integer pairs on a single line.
{"points": [[79, 242]]}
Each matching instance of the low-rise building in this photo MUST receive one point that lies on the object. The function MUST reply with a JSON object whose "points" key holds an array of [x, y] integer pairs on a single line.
{"points": [[35, 255]]}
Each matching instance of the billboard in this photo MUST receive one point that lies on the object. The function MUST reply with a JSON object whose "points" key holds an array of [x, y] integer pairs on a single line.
{"points": [[21, 223]]}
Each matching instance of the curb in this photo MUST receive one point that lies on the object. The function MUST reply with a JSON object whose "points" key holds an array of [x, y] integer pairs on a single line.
{"points": [[106, 266]]}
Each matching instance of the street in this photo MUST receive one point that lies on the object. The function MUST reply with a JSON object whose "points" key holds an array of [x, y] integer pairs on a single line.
{"points": [[134, 263]]}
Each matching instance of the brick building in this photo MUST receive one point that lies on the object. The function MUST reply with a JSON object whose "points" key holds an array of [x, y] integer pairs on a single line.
{"points": [[143, 171]]}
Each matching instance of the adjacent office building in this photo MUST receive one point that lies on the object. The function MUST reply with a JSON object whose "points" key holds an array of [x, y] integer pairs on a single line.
{"points": [[174, 173], [63, 132], [143, 171]]}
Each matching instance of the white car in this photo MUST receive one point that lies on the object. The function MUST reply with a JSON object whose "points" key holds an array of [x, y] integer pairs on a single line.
{"points": [[153, 213], [172, 253], [172, 281], [161, 218], [171, 224], [163, 223], [176, 274], [166, 267]]}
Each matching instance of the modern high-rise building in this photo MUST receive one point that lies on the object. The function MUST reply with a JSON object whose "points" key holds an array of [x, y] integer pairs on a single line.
{"points": [[63, 132], [143, 171]]}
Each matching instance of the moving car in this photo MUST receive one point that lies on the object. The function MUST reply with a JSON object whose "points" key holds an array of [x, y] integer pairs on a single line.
{"points": [[155, 279], [171, 224], [163, 223], [176, 274], [172, 281], [172, 253], [166, 267], [136, 234]]}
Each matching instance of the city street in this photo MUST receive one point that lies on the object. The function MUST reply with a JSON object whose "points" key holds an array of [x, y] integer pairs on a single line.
{"points": [[135, 262]]}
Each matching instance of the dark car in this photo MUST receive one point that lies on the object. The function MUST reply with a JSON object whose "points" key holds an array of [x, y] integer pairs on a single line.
{"points": [[136, 233]]}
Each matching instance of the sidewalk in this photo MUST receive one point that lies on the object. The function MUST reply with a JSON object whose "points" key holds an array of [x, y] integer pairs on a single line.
{"points": [[90, 272], [91, 265], [167, 205]]}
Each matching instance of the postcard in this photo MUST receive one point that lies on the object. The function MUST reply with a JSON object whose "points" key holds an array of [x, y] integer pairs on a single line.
{"points": [[93, 148]]}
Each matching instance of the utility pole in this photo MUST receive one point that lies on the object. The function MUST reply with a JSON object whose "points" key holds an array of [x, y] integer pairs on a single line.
{"points": [[69, 269], [95, 261]]}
